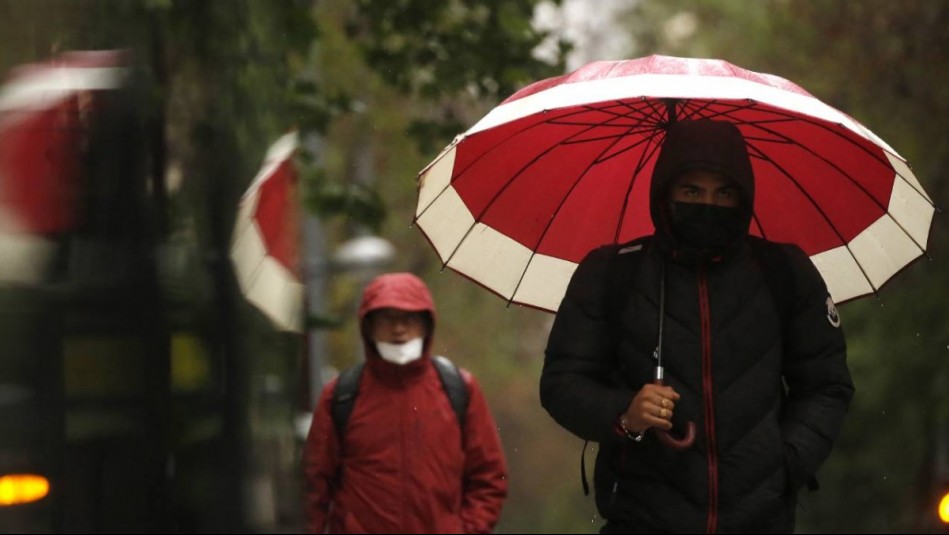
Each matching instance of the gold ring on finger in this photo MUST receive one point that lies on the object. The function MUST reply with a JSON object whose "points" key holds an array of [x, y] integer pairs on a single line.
{"points": [[662, 413], [665, 402]]}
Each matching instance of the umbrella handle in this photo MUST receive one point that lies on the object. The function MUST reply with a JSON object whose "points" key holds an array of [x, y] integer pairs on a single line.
{"points": [[671, 442]]}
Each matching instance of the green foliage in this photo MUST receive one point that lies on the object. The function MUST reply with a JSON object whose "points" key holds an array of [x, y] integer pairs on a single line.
{"points": [[436, 51], [430, 51], [359, 203], [438, 48], [313, 108], [323, 321]]}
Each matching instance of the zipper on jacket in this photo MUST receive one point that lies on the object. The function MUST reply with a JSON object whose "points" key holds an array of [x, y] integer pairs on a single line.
{"points": [[404, 399], [708, 395]]}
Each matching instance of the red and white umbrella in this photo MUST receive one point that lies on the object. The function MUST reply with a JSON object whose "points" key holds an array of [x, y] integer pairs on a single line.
{"points": [[564, 165], [45, 112], [266, 249]]}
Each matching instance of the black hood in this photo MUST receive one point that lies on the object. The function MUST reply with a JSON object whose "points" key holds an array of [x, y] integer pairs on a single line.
{"points": [[702, 144]]}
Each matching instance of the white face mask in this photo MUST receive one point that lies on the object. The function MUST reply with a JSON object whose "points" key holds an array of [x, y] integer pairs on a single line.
{"points": [[400, 353]]}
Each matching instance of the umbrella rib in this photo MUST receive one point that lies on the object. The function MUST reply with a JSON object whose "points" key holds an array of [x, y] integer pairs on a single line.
{"points": [[629, 130], [639, 167], [731, 108], [631, 112], [840, 171], [259, 266], [624, 150], [653, 126], [790, 141], [430, 204], [563, 200], [792, 118], [801, 118], [694, 110], [647, 124], [816, 155], [757, 221], [641, 125], [483, 285], [824, 126], [553, 120], [654, 105], [763, 156], [656, 112], [514, 177], [550, 222]]}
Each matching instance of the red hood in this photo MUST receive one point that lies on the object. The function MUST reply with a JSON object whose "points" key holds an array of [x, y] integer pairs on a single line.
{"points": [[403, 291]]}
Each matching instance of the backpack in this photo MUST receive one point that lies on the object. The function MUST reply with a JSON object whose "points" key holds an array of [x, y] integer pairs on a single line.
{"points": [[347, 388]]}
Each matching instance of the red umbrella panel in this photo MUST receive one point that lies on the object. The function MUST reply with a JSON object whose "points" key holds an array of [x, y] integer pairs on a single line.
{"points": [[265, 248], [564, 165], [45, 111]]}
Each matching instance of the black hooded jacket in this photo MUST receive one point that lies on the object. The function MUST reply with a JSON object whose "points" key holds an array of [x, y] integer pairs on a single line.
{"points": [[767, 389]]}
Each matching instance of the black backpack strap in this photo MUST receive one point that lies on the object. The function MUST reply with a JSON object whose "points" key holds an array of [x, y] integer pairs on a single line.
{"points": [[347, 387], [454, 385], [622, 270], [583, 469], [782, 283], [344, 397]]}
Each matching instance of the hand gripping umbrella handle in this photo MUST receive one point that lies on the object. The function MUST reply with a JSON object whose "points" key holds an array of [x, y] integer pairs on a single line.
{"points": [[676, 443], [668, 440]]}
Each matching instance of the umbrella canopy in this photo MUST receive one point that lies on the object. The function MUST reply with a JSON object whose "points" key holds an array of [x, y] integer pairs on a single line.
{"points": [[564, 166], [265, 248], [46, 111]]}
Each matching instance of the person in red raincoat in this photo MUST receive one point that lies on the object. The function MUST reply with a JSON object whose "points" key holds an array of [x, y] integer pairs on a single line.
{"points": [[404, 463]]}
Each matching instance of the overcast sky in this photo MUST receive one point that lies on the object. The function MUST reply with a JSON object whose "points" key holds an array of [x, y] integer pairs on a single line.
{"points": [[589, 24]]}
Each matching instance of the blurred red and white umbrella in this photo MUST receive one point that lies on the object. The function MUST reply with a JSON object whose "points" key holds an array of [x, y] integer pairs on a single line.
{"points": [[266, 249], [564, 165], [45, 113]]}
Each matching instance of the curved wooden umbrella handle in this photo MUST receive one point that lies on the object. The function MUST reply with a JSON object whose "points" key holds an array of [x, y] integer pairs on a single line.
{"points": [[670, 441], [678, 443]]}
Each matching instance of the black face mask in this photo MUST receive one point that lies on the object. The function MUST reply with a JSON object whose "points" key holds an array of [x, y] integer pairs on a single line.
{"points": [[706, 226]]}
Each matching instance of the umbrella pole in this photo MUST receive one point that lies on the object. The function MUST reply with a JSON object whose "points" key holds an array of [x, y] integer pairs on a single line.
{"points": [[671, 116], [658, 378]]}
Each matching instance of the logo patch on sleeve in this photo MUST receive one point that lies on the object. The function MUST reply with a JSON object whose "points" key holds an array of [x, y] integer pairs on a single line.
{"points": [[832, 316]]}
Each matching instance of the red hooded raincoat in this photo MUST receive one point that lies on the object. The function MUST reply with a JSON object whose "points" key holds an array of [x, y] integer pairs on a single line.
{"points": [[405, 465]]}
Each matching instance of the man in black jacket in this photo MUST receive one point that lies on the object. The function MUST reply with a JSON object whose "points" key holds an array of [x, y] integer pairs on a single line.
{"points": [[752, 352]]}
